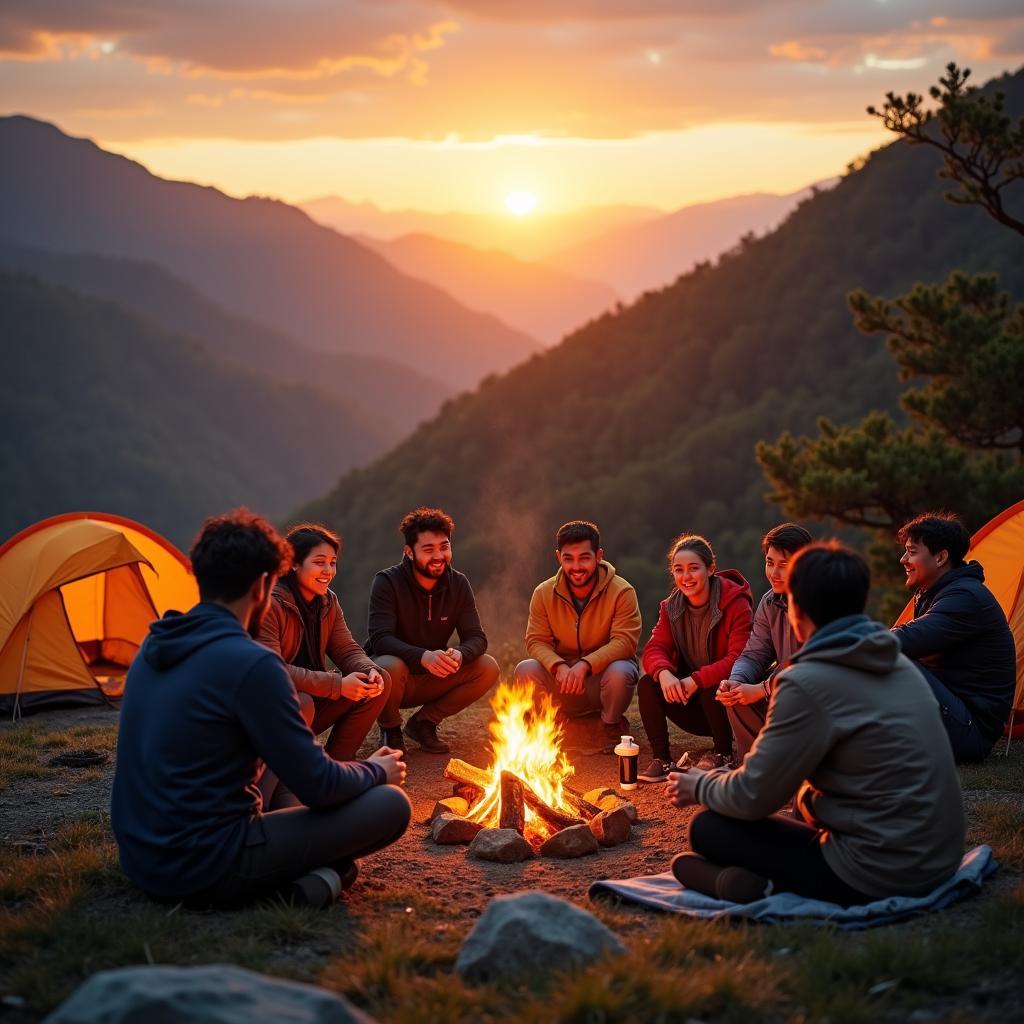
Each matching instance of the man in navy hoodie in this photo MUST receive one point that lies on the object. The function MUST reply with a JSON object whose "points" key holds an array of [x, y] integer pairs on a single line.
{"points": [[959, 636], [205, 707]]}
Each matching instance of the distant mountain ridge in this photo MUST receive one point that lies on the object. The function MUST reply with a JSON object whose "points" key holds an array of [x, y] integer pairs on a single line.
{"points": [[102, 409], [638, 257], [390, 397], [258, 257], [545, 302]]}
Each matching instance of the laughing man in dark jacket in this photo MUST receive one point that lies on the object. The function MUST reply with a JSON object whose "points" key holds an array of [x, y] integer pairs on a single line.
{"points": [[959, 636], [415, 607]]}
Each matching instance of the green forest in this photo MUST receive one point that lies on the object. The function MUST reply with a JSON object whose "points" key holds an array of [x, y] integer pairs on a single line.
{"points": [[646, 420]]}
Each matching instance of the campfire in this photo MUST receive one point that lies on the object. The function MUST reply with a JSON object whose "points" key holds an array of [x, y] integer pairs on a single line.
{"points": [[526, 789]]}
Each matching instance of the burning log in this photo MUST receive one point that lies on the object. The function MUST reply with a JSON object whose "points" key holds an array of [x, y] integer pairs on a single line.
{"points": [[513, 809], [468, 775], [583, 806], [555, 818]]}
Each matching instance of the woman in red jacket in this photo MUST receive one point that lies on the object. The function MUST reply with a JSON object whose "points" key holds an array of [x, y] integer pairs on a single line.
{"points": [[701, 630]]}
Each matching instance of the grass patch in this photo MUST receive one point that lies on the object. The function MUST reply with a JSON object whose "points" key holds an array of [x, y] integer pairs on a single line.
{"points": [[1001, 825], [25, 748], [997, 771]]}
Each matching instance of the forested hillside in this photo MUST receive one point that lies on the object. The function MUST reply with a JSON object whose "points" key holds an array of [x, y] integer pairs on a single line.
{"points": [[646, 420], [100, 409]]}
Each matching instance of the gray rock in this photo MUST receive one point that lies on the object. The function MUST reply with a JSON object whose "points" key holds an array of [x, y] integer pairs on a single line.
{"points": [[450, 805], [531, 932], [611, 827], [450, 829], [504, 845], [217, 994], [610, 803], [575, 841]]}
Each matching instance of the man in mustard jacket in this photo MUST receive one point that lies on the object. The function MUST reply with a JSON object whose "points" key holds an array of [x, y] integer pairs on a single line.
{"points": [[583, 633]]}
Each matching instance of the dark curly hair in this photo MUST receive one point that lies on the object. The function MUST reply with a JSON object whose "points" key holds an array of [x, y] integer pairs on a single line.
{"points": [[232, 551], [938, 531], [425, 520]]}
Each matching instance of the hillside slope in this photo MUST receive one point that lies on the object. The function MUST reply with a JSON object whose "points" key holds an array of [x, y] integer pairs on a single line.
{"points": [[100, 409], [646, 420]]}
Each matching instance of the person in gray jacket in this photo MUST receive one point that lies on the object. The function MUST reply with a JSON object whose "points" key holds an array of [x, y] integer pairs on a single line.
{"points": [[771, 644], [852, 723]]}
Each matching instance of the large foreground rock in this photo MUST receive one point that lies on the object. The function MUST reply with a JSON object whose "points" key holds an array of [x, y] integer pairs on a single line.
{"points": [[219, 994], [611, 827], [529, 932], [450, 829], [504, 845]]}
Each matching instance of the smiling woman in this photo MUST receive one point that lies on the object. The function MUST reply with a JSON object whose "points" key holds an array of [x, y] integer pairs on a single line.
{"points": [[520, 203]]}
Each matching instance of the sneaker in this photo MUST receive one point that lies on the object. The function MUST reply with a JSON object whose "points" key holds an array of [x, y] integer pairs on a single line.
{"points": [[712, 759], [424, 732], [656, 771], [392, 737], [613, 734], [318, 889]]}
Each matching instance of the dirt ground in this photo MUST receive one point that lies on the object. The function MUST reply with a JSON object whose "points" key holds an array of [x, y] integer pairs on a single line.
{"points": [[31, 809]]}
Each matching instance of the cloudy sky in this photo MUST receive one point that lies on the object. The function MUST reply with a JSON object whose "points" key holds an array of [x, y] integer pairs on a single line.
{"points": [[450, 104]]}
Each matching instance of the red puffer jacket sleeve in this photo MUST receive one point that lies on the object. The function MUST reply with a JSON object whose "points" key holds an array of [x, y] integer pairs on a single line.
{"points": [[661, 652]]}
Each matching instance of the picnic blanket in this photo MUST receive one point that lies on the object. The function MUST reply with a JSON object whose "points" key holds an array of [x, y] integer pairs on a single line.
{"points": [[663, 892]]}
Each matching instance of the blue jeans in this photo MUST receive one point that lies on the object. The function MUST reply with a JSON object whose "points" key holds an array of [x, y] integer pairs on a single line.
{"points": [[610, 693], [969, 743]]}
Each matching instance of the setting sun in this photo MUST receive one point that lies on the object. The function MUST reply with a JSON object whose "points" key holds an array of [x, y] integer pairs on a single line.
{"points": [[520, 203]]}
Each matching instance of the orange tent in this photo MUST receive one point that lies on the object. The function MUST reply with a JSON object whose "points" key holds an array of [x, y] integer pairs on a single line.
{"points": [[77, 595], [999, 547]]}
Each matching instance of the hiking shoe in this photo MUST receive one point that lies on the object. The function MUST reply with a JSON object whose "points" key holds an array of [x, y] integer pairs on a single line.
{"points": [[391, 736], [656, 771], [424, 732], [318, 889], [712, 759], [348, 873], [613, 734]]}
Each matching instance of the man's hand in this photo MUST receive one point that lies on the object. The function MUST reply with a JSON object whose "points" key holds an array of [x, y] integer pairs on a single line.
{"points": [[391, 761], [732, 692], [671, 687], [575, 677], [456, 655], [355, 686], [681, 788], [376, 681], [439, 663]]}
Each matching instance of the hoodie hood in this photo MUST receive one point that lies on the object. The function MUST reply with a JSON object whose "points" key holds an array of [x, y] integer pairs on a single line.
{"points": [[855, 641], [174, 637]]}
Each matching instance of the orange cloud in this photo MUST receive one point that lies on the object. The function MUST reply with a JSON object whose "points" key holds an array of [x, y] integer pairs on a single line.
{"points": [[795, 50]]}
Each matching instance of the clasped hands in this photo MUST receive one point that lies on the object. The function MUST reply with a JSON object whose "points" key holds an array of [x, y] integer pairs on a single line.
{"points": [[570, 678], [442, 663], [676, 690], [357, 686]]}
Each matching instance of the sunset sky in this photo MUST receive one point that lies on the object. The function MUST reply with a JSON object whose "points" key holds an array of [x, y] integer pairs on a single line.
{"points": [[453, 105]]}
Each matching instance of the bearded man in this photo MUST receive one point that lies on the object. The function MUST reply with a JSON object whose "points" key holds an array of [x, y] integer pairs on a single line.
{"points": [[415, 607]]}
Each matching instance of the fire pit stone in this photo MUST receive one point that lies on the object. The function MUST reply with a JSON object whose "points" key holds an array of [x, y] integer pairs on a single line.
{"points": [[451, 829], [575, 841], [606, 799], [504, 845], [611, 828], [450, 805]]}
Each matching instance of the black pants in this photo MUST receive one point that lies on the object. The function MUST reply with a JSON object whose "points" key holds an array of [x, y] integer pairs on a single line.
{"points": [[781, 849], [969, 743], [284, 845], [702, 715]]}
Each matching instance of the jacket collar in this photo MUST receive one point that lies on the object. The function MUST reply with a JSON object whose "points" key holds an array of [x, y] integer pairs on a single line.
{"points": [[283, 594], [605, 574], [969, 570], [677, 605]]}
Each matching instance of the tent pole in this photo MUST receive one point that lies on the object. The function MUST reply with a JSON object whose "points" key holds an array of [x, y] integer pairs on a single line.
{"points": [[16, 712]]}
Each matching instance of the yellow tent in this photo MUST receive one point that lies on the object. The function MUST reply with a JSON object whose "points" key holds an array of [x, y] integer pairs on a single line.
{"points": [[77, 595], [999, 547]]}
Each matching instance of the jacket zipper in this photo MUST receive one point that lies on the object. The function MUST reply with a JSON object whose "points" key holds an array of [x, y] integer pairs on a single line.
{"points": [[430, 606]]}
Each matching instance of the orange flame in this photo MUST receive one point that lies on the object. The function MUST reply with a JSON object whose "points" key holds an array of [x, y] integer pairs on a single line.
{"points": [[526, 740]]}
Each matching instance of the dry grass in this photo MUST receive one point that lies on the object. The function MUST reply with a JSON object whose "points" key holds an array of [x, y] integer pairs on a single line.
{"points": [[26, 748]]}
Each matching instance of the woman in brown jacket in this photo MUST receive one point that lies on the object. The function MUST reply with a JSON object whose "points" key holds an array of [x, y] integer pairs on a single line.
{"points": [[305, 625]]}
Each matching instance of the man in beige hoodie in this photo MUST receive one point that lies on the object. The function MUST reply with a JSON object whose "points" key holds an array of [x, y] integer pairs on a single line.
{"points": [[854, 730]]}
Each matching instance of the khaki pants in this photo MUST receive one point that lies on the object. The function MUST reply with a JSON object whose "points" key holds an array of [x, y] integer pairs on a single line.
{"points": [[438, 697]]}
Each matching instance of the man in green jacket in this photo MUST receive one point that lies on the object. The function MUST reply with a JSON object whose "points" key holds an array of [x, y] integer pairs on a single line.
{"points": [[583, 633], [852, 728]]}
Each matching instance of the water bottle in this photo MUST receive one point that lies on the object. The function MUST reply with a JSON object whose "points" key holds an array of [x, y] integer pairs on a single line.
{"points": [[628, 753]]}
